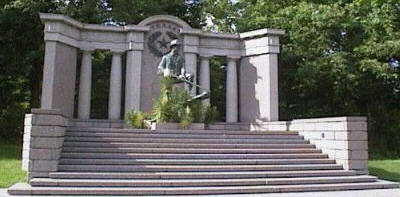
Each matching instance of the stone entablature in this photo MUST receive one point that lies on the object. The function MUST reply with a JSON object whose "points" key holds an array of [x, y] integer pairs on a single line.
{"points": [[63, 29], [131, 37]]}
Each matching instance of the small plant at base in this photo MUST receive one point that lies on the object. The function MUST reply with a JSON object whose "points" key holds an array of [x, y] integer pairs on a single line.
{"points": [[135, 119], [210, 114], [187, 118]]}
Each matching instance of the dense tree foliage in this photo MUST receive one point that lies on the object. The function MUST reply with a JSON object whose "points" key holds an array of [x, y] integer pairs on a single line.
{"points": [[134, 11], [338, 57], [21, 60]]}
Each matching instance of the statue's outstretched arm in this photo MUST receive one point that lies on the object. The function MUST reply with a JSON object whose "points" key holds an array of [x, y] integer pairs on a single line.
{"points": [[182, 63], [162, 65]]}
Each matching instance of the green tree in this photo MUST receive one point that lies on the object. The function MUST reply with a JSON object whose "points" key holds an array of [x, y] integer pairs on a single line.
{"points": [[134, 11], [337, 58], [21, 60]]}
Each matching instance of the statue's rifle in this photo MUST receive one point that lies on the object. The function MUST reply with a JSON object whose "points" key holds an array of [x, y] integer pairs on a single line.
{"points": [[204, 93]]}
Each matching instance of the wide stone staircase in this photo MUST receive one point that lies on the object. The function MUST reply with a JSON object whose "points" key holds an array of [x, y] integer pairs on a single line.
{"points": [[98, 161]]}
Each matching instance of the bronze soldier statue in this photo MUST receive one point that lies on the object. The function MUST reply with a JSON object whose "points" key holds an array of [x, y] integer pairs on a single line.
{"points": [[172, 65]]}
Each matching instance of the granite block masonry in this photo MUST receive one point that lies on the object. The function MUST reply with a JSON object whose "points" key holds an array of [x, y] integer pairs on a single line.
{"points": [[43, 138], [344, 139]]}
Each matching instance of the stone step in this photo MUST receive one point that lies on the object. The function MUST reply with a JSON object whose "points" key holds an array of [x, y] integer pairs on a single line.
{"points": [[181, 145], [195, 161], [189, 156], [26, 189], [177, 131], [194, 168], [185, 140], [187, 150], [180, 135], [199, 175], [196, 182]]}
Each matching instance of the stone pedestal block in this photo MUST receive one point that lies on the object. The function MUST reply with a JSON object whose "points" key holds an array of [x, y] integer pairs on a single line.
{"points": [[43, 139]]}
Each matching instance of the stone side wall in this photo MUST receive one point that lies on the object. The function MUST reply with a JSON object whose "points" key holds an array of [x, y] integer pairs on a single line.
{"points": [[43, 139], [344, 139]]}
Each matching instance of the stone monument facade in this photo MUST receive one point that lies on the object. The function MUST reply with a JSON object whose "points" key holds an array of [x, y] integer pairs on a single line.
{"points": [[251, 92], [252, 54]]}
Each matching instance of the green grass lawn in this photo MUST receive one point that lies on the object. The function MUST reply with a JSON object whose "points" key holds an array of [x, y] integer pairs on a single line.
{"points": [[385, 169], [10, 165]]}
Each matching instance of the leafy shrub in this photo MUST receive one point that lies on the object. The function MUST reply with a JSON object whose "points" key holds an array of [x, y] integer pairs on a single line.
{"points": [[210, 114], [187, 118], [135, 119], [174, 105]]}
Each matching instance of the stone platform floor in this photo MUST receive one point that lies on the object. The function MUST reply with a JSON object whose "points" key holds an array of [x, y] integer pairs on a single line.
{"points": [[352, 193]]}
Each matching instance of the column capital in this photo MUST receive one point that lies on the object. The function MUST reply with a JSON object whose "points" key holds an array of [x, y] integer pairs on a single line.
{"points": [[206, 56], [87, 50], [135, 46], [190, 50], [117, 51], [233, 58]]}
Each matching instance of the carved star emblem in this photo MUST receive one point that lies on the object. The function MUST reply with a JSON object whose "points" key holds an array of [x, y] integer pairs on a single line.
{"points": [[163, 43]]}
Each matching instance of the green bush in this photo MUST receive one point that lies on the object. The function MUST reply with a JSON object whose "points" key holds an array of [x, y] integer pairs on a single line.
{"points": [[210, 114], [187, 118], [136, 119], [174, 105]]}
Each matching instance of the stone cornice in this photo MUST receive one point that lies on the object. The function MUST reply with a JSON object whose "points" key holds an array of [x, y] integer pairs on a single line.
{"points": [[168, 18], [93, 27], [261, 33], [61, 28]]}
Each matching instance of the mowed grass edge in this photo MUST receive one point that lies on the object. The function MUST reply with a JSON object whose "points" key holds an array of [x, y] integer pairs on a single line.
{"points": [[10, 165], [387, 169]]}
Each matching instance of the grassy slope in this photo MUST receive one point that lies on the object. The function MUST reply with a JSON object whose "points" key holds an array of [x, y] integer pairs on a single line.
{"points": [[10, 165], [385, 169]]}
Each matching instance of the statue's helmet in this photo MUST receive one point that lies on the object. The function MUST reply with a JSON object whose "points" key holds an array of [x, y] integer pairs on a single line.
{"points": [[174, 43]]}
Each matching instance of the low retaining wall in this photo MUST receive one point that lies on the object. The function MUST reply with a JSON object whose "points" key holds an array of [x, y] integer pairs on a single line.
{"points": [[44, 133], [105, 123], [344, 139]]}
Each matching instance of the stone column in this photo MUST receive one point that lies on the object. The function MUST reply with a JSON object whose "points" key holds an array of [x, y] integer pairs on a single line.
{"points": [[205, 75], [259, 75], [271, 90], [133, 80], [190, 46], [85, 84], [231, 91], [114, 99]]}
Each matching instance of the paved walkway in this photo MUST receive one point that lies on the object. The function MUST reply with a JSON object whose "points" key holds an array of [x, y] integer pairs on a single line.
{"points": [[354, 193]]}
